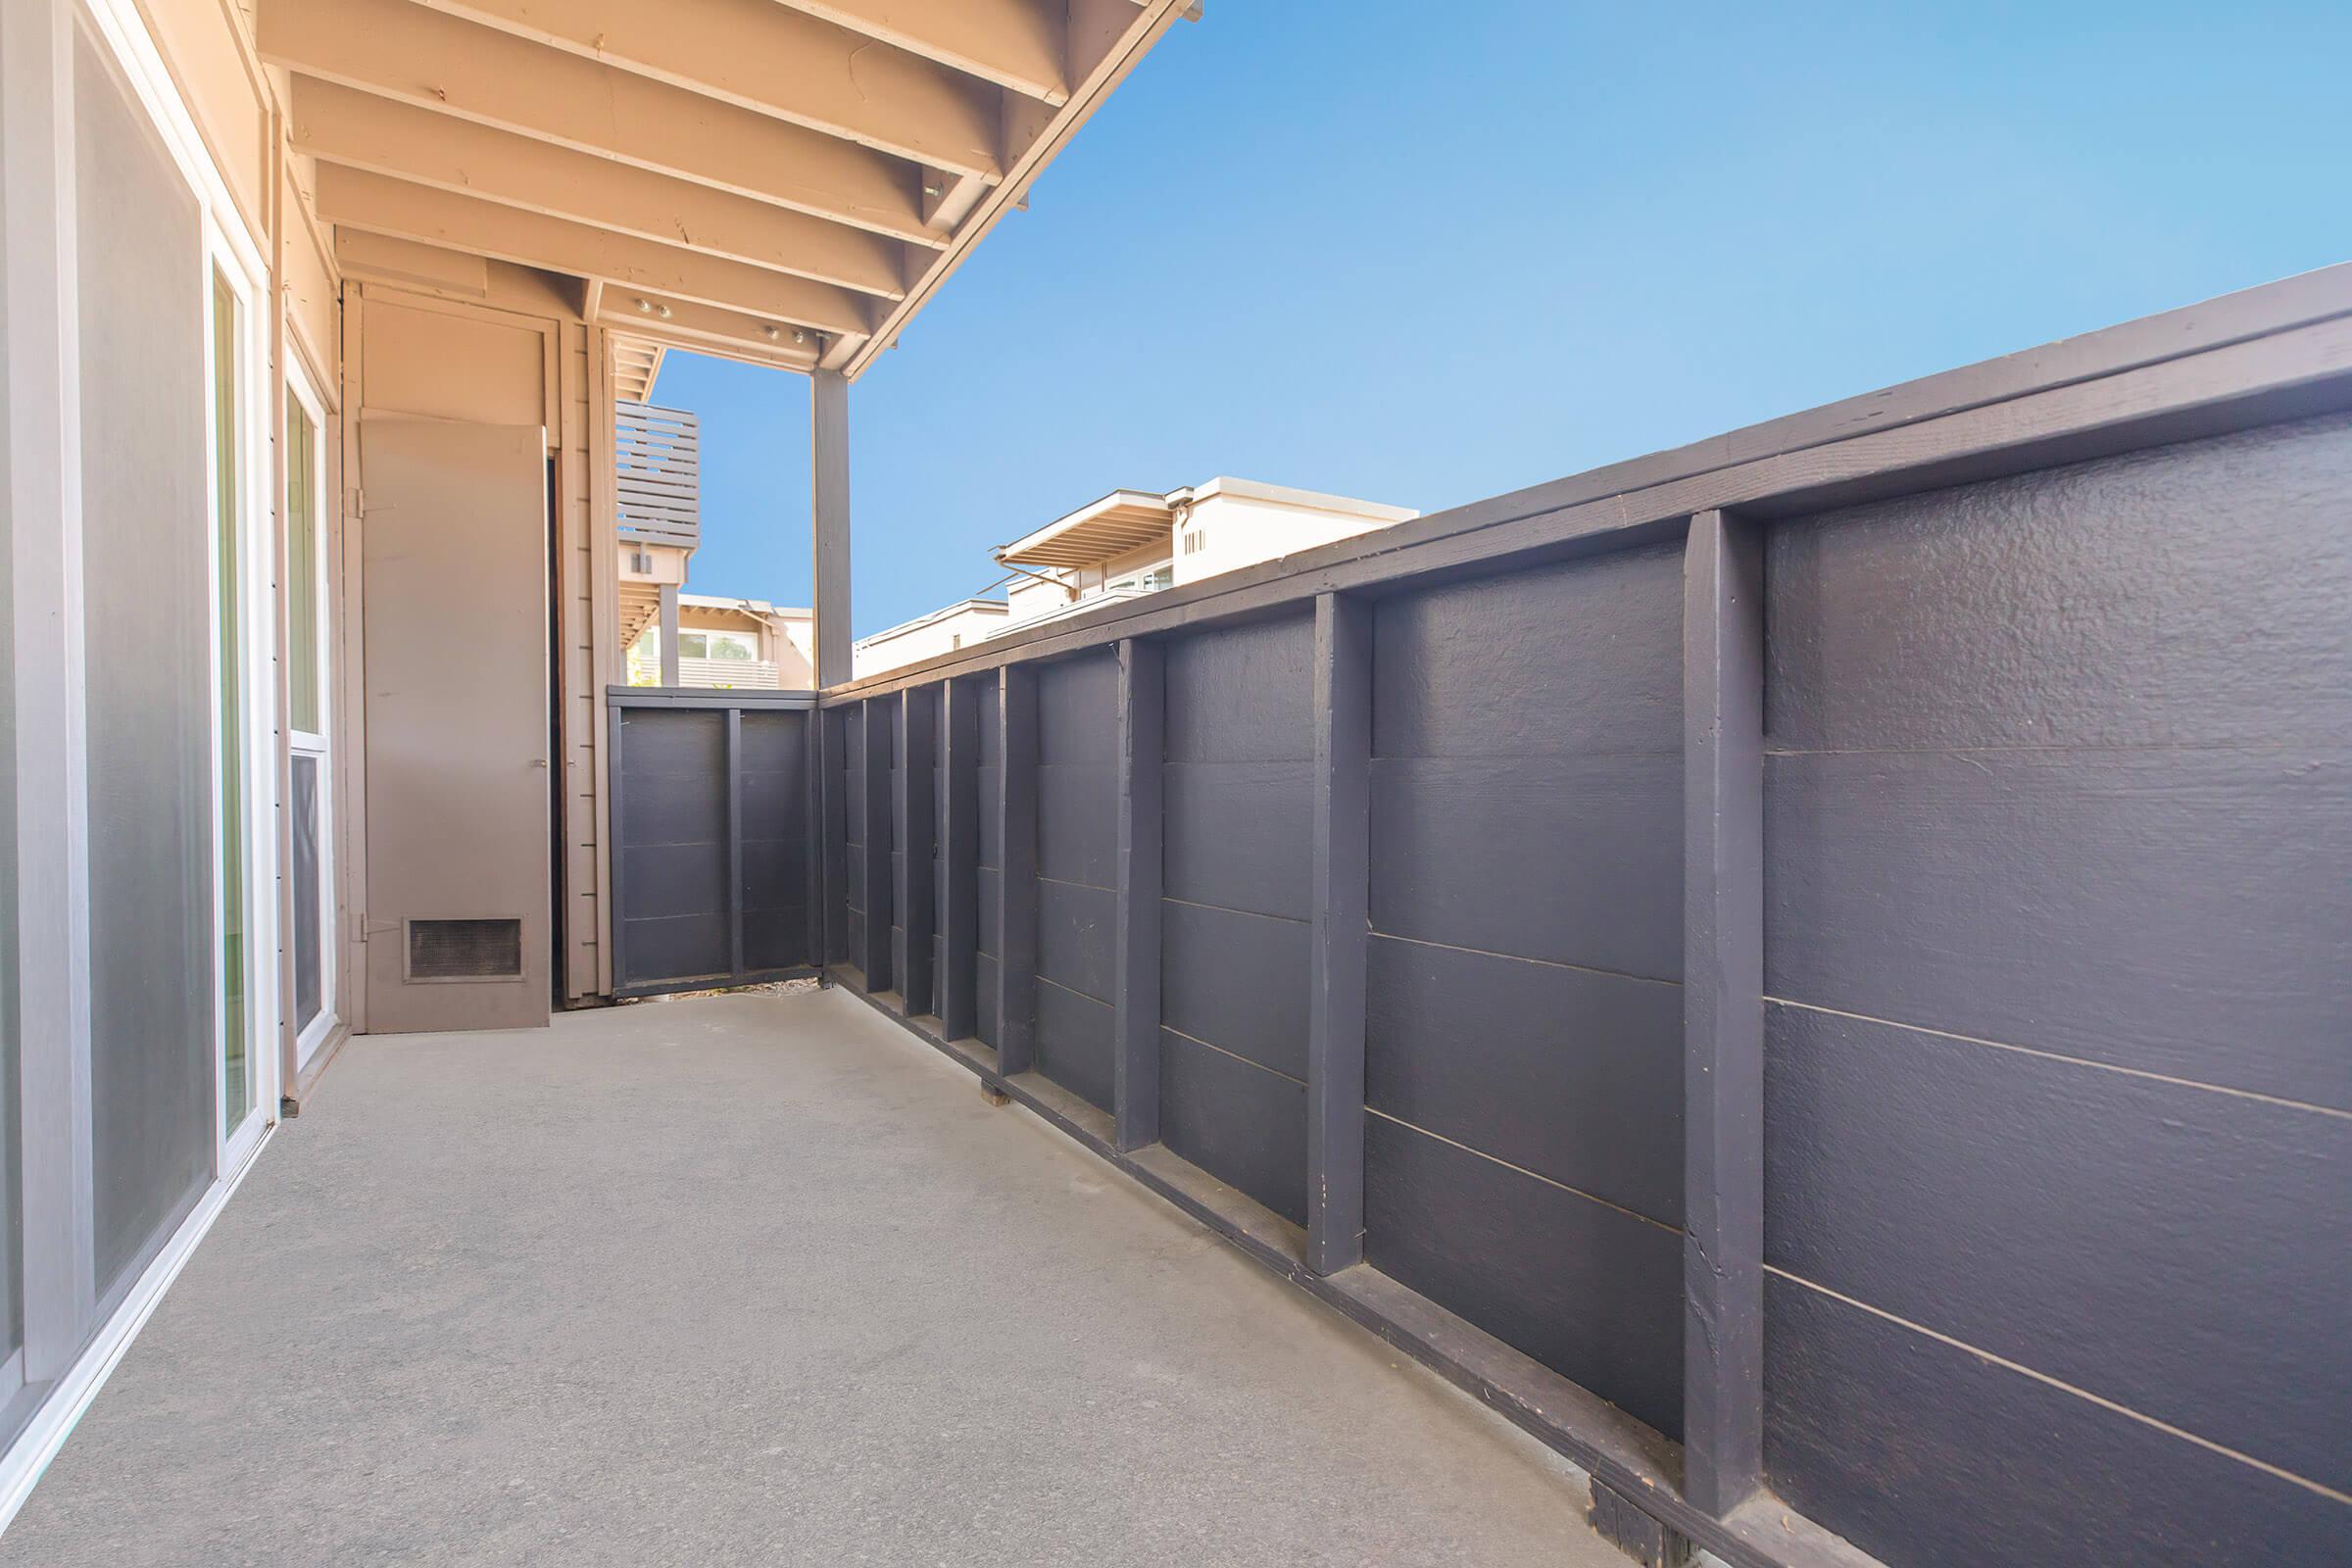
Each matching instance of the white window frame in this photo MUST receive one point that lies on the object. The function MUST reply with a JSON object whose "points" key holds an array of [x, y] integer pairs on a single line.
{"points": [[749, 639], [257, 696], [316, 744]]}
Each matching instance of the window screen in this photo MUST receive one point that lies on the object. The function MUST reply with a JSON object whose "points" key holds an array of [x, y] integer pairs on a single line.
{"points": [[146, 533], [309, 962], [301, 568]]}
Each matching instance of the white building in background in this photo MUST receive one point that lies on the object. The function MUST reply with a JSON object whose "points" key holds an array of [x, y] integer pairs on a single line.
{"points": [[1130, 543]]}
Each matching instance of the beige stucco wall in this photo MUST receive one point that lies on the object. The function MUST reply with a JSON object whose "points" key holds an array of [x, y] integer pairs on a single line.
{"points": [[966, 626], [1238, 529]]}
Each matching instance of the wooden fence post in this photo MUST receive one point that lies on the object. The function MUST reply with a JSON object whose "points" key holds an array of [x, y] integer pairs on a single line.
{"points": [[1135, 988], [1017, 875], [1337, 934], [1723, 1011]]}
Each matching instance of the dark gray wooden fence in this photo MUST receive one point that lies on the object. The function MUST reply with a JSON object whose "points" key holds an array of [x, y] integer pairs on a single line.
{"points": [[713, 879], [1813, 971]]}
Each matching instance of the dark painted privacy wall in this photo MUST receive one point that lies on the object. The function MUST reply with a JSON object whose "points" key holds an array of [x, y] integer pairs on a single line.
{"points": [[2056, 844], [711, 884], [2058, 798]]}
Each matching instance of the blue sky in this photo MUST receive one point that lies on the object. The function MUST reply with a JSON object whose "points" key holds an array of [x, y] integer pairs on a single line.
{"points": [[1424, 254]]}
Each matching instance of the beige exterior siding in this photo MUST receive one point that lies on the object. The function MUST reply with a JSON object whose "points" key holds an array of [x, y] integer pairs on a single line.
{"points": [[528, 363]]}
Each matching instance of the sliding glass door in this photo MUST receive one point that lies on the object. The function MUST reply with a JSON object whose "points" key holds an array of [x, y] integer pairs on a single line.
{"points": [[178, 751]]}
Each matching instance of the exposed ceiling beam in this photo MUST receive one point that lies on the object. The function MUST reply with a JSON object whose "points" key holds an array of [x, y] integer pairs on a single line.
{"points": [[341, 124], [707, 329], [382, 204], [776, 61], [401, 261], [398, 50], [1014, 43], [1033, 135]]}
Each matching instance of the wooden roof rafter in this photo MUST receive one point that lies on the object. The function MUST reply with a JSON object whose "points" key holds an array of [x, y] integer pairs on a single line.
{"points": [[799, 177]]}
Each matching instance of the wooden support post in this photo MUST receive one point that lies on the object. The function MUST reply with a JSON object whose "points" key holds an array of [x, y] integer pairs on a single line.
{"points": [[959, 847], [667, 595], [1337, 934], [1134, 986], [829, 522], [1016, 874], [1723, 1011], [734, 766], [917, 817], [873, 725]]}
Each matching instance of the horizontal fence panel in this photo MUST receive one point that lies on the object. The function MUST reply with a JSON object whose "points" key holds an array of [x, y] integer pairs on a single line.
{"points": [[1075, 1042], [1077, 817], [1578, 659], [1239, 694], [1920, 1452], [1075, 925], [1590, 1290], [2171, 597], [1241, 835], [1573, 1074], [1238, 981], [1241, 1123], [1566, 859], [2118, 906], [1886, 1139]]}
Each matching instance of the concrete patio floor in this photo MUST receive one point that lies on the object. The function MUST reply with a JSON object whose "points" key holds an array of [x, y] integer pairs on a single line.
{"points": [[752, 1279]]}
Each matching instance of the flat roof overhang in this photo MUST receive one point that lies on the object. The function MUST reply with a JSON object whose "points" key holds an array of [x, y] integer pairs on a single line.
{"points": [[781, 180], [1122, 521]]}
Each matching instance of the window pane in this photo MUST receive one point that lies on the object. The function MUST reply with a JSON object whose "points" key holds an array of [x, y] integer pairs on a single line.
{"points": [[727, 645], [694, 645], [145, 520], [301, 568], [308, 967], [229, 641]]}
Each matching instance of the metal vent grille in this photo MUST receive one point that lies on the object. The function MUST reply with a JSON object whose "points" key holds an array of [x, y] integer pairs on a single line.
{"points": [[464, 950]]}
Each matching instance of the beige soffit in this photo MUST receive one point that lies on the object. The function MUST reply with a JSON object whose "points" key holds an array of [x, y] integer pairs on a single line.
{"points": [[786, 180]]}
